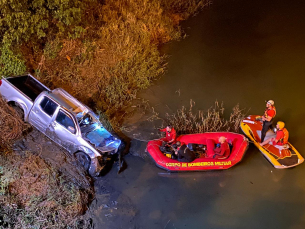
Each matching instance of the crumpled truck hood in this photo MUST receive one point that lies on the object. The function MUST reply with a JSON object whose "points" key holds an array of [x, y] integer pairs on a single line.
{"points": [[103, 140]]}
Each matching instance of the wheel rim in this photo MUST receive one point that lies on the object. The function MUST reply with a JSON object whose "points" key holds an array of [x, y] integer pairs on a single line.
{"points": [[83, 160]]}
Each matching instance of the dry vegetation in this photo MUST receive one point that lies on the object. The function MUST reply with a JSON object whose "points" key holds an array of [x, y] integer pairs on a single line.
{"points": [[189, 122], [11, 126], [34, 194], [118, 54]]}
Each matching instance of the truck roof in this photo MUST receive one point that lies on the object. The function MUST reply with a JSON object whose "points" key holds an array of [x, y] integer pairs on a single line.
{"points": [[68, 101]]}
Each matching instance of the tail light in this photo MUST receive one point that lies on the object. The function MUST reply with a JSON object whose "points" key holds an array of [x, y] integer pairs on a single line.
{"points": [[0, 82]]}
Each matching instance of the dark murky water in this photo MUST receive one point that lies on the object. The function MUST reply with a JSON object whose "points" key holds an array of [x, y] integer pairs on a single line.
{"points": [[237, 51]]}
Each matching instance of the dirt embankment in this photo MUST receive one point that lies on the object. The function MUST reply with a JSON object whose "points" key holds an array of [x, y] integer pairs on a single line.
{"points": [[41, 185]]}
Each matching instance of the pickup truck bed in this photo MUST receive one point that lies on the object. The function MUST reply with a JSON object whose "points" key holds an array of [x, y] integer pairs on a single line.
{"points": [[28, 85]]}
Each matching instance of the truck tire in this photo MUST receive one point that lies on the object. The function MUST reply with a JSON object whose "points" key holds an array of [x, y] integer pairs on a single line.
{"points": [[83, 159], [18, 109]]}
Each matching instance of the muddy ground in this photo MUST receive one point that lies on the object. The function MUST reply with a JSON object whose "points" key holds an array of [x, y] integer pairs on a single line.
{"points": [[110, 205]]}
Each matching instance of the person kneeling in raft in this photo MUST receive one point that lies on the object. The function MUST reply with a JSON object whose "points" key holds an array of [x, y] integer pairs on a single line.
{"points": [[183, 153], [223, 151], [170, 136], [281, 138]]}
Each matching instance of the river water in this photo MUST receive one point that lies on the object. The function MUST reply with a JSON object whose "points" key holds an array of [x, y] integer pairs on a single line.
{"points": [[236, 51]]}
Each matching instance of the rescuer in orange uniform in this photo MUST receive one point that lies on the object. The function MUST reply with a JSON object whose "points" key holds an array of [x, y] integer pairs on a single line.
{"points": [[223, 151], [267, 118], [282, 135], [170, 135]]}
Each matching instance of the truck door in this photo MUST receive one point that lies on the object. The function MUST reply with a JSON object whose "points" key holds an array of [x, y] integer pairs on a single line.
{"points": [[64, 129], [42, 113]]}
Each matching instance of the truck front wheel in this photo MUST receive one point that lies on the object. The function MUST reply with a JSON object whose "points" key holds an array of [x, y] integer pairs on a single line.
{"points": [[83, 159]]}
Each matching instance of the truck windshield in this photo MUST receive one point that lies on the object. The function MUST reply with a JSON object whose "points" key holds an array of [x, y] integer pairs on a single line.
{"points": [[94, 132], [87, 122], [87, 119]]}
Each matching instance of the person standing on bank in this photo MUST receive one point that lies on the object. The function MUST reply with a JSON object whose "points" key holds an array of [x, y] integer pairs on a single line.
{"points": [[267, 118]]}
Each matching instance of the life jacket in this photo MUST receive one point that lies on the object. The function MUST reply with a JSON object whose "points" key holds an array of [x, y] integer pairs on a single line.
{"points": [[284, 140], [169, 135], [272, 108]]}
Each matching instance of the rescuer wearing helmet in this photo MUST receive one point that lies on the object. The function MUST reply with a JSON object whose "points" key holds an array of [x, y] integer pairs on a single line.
{"points": [[170, 136], [282, 135], [267, 118], [221, 151]]}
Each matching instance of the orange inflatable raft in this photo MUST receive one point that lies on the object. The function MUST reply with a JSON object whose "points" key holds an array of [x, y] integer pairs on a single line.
{"points": [[238, 149]]}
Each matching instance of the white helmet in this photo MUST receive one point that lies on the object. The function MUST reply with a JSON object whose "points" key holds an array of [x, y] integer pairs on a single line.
{"points": [[271, 102]]}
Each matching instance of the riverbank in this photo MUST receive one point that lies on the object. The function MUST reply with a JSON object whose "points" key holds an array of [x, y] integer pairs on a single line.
{"points": [[41, 185], [38, 193], [114, 55]]}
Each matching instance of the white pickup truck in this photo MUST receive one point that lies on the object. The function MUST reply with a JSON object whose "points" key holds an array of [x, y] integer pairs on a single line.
{"points": [[63, 119]]}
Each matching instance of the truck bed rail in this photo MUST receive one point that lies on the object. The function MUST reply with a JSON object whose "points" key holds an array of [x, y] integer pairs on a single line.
{"points": [[28, 85]]}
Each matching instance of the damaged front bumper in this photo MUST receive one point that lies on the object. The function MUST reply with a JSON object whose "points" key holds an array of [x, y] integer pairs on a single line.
{"points": [[95, 167], [98, 164]]}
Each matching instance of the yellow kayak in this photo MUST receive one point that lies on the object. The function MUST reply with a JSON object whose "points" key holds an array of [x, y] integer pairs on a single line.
{"points": [[281, 157]]}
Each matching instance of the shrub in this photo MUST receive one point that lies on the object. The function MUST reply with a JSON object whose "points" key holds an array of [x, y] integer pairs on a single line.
{"points": [[10, 63], [190, 122], [125, 57], [23, 20]]}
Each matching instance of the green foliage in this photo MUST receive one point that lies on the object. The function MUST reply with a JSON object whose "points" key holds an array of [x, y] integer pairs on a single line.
{"points": [[133, 74], [25, 20], [4, 182], [77, 32], [52, 48], [10, 63]]}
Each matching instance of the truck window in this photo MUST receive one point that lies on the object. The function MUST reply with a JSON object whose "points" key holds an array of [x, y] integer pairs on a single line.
{"points": [[65, 121], [48, 106]]}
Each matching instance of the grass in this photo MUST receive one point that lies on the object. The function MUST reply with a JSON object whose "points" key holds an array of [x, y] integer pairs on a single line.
{"points": [[11, 125], [118, 55], [186, 121], [35, 195]]}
